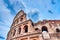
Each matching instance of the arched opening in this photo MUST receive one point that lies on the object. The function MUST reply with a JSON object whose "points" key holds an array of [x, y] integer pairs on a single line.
{"points": [[32, 24], [57, 30], [44, 28], [45, 32], [26, 28], [19, 30], [36, 29], [14, 32], [21, 19]]}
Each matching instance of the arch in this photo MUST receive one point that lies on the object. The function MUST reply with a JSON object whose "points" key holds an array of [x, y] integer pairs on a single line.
{"points": [[14, 32], [21, 19], [26, 28], [44, 28], [57, 30], [19, 30], [36, 29]]}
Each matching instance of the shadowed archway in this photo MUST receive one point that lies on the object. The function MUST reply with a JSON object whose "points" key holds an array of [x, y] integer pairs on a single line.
{"points": [[26, 28], [44, 28]]}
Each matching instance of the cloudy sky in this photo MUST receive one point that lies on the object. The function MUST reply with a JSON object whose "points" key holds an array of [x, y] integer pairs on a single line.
{"points": [[35, 9]]}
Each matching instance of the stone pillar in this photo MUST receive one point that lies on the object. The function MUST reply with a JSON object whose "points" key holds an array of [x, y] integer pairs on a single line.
{"points": [[22, 30], [16, 31], [19, 21]]}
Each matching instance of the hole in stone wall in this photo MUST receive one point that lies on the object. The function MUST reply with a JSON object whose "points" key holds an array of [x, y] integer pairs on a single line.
{"points": [[14, 32], [21, 19], [36, 28], [44, 28], [26, 28], [57, 30], [19, 30]]}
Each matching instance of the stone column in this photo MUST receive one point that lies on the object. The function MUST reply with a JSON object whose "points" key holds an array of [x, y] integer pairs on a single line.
{"points": [[17, 31], [22, 30], [19, 21]]}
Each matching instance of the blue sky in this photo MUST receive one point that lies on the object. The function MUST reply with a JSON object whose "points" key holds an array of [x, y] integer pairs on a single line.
{"points": [[35, 9]]}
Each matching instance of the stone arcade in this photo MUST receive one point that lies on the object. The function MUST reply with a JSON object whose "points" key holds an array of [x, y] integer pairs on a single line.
{"points": [[23, 29]]}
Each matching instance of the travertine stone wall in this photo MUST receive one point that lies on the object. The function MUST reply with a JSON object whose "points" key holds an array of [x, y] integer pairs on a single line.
{"points": [[42, 30]]}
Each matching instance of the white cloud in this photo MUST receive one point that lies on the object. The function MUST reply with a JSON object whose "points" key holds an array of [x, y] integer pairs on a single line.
{"points": [[32, 14], [6, 17], [30, 8], [18, 5]]}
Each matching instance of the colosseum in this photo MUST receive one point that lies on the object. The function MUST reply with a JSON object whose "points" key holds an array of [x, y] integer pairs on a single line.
{"points": [[24, 29]]}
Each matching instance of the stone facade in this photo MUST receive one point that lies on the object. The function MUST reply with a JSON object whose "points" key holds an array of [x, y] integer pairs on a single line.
{"points": [[23, 29]]}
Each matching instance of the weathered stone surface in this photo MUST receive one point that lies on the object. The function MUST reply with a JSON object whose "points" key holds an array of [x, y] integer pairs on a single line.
{"points": [[23, 29]]}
